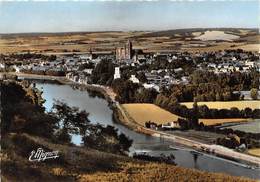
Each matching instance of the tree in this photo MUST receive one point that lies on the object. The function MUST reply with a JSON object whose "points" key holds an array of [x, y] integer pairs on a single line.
{"points": [[126, 91], [70, 121], [254, 93], [141, 76], [97, 136], [248, 112], [103, 73], [63, 136], [195, 114], [125, 142], [21, 112], [146, 95], [106, 138], [204, 111]]}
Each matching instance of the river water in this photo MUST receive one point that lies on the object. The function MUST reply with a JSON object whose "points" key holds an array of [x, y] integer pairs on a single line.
{"points": [[99, 112], [253, 126]]}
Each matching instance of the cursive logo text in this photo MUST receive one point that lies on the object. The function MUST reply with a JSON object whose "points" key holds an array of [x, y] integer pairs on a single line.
{"points": [[41, 155]]}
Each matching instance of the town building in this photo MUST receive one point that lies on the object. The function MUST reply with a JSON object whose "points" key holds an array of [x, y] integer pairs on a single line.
{"points": [[125, 52], [134, 79], [117, 73], [151, 85], [2, 65], [171, 125]]}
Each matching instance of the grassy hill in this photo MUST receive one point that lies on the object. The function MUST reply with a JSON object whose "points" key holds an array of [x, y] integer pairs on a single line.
{"points": [[188, 32], [85, 164]]}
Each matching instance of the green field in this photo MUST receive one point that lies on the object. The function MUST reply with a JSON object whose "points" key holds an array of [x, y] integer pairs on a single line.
{"points": [[255, 104]]}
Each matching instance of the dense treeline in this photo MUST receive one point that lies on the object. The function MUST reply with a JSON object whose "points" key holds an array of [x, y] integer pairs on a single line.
{"points": [[26, 57], [129, 92], [103, 73], [234, 80], [47, 72], [172, 105], [206, 86]]}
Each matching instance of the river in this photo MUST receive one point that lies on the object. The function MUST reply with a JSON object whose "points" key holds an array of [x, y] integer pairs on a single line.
{"points": [[253, 126], [100, 112]]}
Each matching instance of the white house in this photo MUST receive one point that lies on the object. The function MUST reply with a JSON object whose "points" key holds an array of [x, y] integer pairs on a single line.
{"points": [[117, 73], [88, 71], [76, 78], [147, 86], [237, 68], [2, 65], [134, 79], [246, 68], [170, 125], [212, 65], [86, 57], [69, 75], [250, 63], [17, 69], [178, 70]]}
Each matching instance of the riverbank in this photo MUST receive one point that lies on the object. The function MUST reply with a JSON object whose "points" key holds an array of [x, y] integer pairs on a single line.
{"points": [[208, 148], [122, 117]]}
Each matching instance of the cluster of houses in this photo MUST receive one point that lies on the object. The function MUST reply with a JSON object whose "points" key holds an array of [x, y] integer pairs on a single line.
{"points": [[62, 63], [229, 61], [231, 66], [167, 126], [217, 62]]}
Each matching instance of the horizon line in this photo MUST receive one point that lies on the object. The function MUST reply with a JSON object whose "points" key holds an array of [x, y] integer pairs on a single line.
{"points": [[102, 31]]}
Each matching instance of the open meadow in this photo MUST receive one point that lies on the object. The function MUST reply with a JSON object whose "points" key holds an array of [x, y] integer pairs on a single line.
{"points": [[191, 40], [254, 104], [210, 122], [142, 113], [254, 152]]}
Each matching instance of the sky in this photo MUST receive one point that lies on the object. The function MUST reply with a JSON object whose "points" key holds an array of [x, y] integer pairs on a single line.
{"points": [[67, 16]]}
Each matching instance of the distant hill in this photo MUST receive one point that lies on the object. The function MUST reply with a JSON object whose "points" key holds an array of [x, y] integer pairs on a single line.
{"points": [[188, 32], [182, 32], [39, 34], [149, 41]]}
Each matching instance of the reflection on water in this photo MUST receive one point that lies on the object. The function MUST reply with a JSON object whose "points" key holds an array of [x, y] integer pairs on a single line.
{"points": [[99, 112]]}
